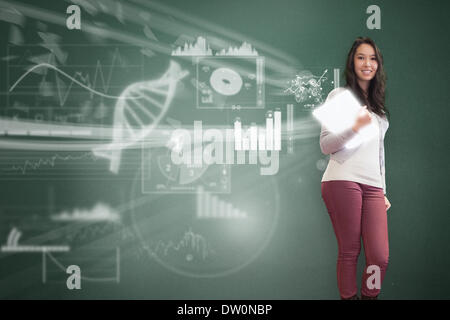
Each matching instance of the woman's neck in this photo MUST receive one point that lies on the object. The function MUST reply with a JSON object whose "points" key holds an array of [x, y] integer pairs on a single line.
{"points": [[364, 85]]}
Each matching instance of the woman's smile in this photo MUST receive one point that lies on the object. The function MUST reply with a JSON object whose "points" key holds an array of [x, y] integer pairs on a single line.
{"points": [[366, 64]]}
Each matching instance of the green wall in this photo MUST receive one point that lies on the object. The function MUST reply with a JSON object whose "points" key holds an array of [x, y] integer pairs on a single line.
{"points": [[288, 249]]}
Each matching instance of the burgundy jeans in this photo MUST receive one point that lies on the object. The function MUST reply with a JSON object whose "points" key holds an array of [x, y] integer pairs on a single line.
{"points": [[357, 210]]}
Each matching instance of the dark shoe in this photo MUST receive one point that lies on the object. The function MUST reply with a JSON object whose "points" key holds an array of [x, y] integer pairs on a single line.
{"points": [[355, 297], [363, 297]]}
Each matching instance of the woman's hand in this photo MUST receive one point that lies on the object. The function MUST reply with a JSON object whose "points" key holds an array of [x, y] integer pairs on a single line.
{"points": [[362, 120], [387, 203]]}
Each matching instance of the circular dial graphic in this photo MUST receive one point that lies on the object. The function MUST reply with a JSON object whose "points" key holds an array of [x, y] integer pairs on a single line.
{"points": [[226, 81]]}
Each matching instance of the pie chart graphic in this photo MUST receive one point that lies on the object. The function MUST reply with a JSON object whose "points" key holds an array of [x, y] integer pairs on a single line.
{"points": [[182, 174], [226, 81]]}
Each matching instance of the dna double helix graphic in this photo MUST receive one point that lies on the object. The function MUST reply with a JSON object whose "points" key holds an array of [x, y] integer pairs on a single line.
{"points": [[140, 112]]}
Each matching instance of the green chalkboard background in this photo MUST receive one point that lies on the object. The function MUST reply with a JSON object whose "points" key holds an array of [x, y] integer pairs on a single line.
{"points": [[290, 251]]}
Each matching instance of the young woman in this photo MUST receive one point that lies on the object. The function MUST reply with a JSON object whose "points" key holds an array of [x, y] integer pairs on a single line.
{"points": [[353, 184]]}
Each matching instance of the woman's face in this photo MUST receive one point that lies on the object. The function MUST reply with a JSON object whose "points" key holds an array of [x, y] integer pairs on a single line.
{"points": [[365, 62]]}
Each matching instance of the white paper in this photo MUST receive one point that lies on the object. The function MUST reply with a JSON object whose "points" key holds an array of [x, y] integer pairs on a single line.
{"points": [[339, 114]]}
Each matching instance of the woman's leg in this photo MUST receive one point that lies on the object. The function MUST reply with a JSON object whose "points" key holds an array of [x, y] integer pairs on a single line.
{"points": [[344, 203], [375, 236]]}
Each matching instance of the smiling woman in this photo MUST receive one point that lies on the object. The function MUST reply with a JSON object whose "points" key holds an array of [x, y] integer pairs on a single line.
{"points": [[354, 181], [365, 75]]}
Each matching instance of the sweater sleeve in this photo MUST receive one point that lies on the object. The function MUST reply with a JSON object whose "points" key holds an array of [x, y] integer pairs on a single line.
{"points": [[384, 124], [331, 142], [383, 171]]}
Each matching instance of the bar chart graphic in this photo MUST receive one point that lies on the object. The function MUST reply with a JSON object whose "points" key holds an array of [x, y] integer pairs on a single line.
{"points": [[256, 138], [336, 72], [290, 127], [211, 207]]}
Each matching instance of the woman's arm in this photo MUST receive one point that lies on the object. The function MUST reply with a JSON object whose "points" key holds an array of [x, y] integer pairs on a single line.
{"points": [[384, 124], [331, 143]]}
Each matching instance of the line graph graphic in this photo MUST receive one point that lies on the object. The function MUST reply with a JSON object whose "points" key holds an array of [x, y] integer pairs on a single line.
{"points": [[43, 87], [50, 161], [38, 80], [191, 244], [63, 96], [20, 165]]}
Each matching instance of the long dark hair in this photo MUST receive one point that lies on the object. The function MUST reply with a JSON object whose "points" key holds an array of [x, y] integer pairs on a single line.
{"points": [[376, 92]]}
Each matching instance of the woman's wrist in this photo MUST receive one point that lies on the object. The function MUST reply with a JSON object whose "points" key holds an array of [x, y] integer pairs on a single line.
{"points": [[355, 128]]}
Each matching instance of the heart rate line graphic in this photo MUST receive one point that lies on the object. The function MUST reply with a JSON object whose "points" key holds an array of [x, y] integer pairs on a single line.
{"points": [[50, 161]]}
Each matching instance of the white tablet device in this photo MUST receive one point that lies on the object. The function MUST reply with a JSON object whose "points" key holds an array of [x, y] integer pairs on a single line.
{"points": [[340, 112]]}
